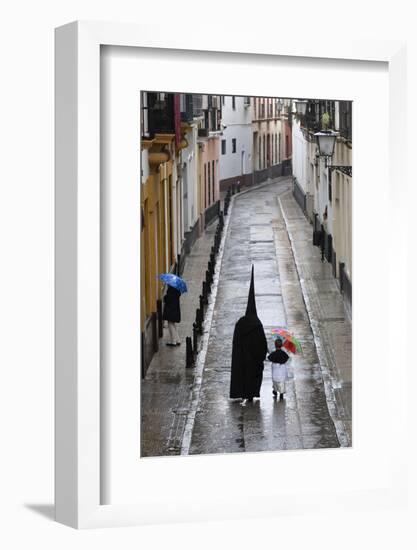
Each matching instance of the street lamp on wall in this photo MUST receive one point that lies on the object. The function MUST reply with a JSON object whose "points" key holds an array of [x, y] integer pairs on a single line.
{"points": [[326, 140], [301, 106]]}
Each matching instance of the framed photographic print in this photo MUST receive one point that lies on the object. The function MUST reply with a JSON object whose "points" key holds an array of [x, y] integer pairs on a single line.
{"points": [[217, 319]]}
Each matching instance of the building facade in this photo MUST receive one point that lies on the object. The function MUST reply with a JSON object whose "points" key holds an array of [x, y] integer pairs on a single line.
{"points": [[271, 138], [160, 238], [179, 145], [236, 142], [209, 134], [323, 187]]}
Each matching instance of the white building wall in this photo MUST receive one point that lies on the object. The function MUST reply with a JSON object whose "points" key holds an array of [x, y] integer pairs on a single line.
{"points": [[176, 222], [237, 124], [342, 207], [300, 157], [190, 179], [321, 199], [145, 165]]}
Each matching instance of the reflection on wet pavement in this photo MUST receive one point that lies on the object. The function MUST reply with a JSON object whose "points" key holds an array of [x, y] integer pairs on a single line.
{"points": [[256, 236], [189, 412]]}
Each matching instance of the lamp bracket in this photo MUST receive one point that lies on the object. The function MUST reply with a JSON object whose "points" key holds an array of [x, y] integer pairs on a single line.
{"points": [[347, 170]]}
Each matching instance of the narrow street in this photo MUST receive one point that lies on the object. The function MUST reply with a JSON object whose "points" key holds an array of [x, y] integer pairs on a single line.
{"points": [[188, 411]]}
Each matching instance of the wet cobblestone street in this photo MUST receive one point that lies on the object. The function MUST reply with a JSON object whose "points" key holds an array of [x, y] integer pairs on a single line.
{"points": [[188, 411]]}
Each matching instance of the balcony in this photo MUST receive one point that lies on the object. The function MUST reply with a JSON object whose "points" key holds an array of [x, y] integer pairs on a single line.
{"points": [[187, 111], [159, 113], [203, 132], [197, 105]]}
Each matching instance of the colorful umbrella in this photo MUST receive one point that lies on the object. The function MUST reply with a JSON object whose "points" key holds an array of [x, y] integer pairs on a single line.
{"points": [[289, 341], [173, 280]]}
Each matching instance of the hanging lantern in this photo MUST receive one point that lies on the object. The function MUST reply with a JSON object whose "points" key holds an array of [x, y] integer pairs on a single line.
{"points": [[326, 140], [301, 106]]}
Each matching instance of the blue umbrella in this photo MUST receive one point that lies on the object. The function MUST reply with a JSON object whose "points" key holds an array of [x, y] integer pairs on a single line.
{"points": [[174, 281]]}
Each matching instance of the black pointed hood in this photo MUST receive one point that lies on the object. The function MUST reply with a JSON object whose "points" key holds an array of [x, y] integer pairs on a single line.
{"points": [[251, 307]]}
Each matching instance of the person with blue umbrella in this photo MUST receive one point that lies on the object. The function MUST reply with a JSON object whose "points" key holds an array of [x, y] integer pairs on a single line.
{"points": [[172, 310]]}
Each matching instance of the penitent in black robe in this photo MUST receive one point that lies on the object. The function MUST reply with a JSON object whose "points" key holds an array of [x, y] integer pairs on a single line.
{"points": [[249, 351]]}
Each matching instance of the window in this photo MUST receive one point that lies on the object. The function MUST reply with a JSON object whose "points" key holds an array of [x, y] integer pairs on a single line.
{"points": [[223, 146], [205, 185], [144, 115], [209, 184], [279, 148], [268, 150], [345, 119], [259, 153], [234, 145], [214, 181], [233, 102], [276, 150]]}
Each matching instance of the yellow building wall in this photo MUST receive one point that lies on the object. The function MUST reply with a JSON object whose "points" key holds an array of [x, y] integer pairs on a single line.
{"points": [[157, 250]]}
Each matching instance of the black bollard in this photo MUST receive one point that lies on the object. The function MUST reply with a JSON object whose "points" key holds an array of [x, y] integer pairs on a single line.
{"points": [[195, 333], [198, 321], [212, 259], [189, 357], [205, 294], [201, 299]]}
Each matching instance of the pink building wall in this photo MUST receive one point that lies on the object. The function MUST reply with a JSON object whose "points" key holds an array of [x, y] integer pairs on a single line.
{"points": [[210, 157]]}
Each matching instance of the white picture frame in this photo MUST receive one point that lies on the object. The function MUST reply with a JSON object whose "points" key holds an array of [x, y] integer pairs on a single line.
{"points": [[78, 404]]}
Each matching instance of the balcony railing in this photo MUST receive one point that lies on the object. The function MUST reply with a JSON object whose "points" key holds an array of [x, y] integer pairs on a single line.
{"points": [[159, 113], [187, 104], [197, 105], [191, 107], [340, 119]]}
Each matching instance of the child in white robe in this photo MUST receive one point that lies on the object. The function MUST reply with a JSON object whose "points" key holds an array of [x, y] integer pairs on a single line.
{"points": [[280, 360]]}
